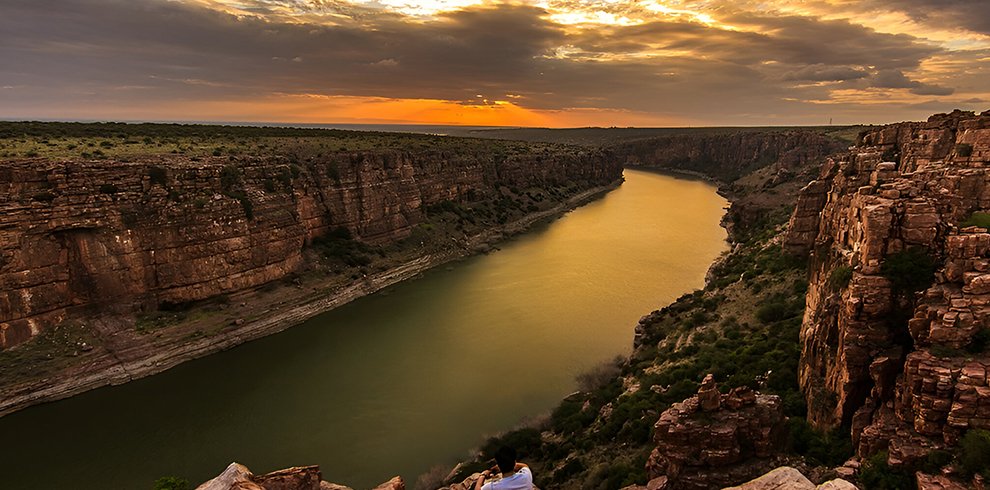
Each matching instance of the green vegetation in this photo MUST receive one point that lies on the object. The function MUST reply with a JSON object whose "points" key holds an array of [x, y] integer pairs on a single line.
{"points": [[828, 449], [126, 141], [964, 149], [50, 351], [975, 452], [840, 277], [338, 245], [909, 271], [157, 176], [171, 483], [875, 474], [980, 342], [977, 219]]}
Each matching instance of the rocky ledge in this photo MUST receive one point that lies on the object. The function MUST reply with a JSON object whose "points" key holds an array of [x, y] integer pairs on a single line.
{"points": [[239, 477]]}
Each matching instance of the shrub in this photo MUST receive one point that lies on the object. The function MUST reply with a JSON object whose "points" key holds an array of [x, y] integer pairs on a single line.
{"points": [[230, 178], [975, 452], [158, 176], [979, 342], [877, 475], [829, 449], [909, 270], [840, 277], [171, 483], [977, 219], [964, 149], [772, 310]]}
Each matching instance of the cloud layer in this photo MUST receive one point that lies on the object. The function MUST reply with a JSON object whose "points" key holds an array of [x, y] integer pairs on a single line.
{"points": [[638, 62]]}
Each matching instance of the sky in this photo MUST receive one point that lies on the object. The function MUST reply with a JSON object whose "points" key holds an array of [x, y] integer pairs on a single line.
{"points": [[548, 63]]}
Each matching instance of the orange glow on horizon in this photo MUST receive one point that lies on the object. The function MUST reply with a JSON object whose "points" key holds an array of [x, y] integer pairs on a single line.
{"points": [[326, 109]]}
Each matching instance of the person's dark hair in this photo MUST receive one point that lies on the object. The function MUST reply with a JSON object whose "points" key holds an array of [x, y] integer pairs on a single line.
{"points": [[505, 457]]}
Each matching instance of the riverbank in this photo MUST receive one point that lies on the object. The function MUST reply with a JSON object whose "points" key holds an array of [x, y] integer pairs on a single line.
{"points": [[128, 355], [742, 327]]}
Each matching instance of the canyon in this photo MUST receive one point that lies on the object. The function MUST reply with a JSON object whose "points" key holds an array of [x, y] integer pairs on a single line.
{"points": [[97, 253], [854, 297]]}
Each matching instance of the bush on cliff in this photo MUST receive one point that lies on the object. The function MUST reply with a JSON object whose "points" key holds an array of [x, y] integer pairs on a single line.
{"points": [[977, 219], [876, 474], [840, 278], [975, 452], [338, 244], [828, 449], [909, 270], [171, 483]]}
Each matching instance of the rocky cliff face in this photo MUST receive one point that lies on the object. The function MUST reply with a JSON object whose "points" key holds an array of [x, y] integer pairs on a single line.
{"points": [[727, 157], [138, 235], [893, 338]]}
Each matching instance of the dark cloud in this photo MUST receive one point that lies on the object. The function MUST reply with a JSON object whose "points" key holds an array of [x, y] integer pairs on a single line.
{"points": [[825, 73], [125, 52], [973, 15], [897, 79]]}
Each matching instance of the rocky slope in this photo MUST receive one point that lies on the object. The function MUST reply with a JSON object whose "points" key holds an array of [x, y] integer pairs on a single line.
{"points": [[894, 339]]}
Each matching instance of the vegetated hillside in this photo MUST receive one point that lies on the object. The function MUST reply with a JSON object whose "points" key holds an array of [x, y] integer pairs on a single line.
{"points": [[120, 246], [743, 328]]}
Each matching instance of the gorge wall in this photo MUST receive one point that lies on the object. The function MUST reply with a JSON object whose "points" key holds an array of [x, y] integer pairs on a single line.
{"points": [[898, 306], [111, 235], [727, 157]]}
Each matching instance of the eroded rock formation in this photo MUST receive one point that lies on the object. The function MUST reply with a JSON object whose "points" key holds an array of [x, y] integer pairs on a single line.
{"points": [[714, 440], [138, 235], [906, 371]]}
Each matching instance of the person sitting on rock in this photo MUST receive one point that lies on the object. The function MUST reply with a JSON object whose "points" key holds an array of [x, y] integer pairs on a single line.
{"points": [[515, 476]]}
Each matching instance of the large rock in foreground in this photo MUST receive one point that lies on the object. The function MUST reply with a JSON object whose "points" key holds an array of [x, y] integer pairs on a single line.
{"points": [[239, 477], [787, 478]]}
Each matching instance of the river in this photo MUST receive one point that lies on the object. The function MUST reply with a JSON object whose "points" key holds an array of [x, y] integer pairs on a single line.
{"points": [[399, 381]]}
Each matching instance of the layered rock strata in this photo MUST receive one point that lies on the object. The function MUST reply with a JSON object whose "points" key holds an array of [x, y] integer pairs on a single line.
{"points": [[906, 371], [727, 157], [171, 230], [714, 440]]}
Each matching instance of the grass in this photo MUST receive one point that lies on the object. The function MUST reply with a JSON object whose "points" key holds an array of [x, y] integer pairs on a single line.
{"points": [[50, 351], [977, 219], [119, 141]]}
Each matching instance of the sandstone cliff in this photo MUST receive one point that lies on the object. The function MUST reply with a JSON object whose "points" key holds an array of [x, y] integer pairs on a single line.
{"points": [[163, 231], [727, 157], [906, 371]]}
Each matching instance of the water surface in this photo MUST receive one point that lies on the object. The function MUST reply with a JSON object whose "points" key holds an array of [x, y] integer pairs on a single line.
{"points": [[396, 382]]}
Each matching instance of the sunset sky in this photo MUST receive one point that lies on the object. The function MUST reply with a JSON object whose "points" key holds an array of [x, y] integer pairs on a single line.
{"points": [[536, 63]]}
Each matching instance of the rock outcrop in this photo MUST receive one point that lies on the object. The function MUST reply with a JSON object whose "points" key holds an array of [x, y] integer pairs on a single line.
{"points": [[239, 477], [906, 370], [787, 478], [169, 230], [714, 439]]}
